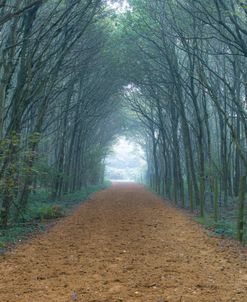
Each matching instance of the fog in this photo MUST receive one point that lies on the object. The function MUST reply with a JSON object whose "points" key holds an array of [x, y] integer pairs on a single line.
{"points": [[126, 161]]}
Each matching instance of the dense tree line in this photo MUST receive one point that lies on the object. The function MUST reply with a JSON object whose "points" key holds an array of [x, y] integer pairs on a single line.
{"points": [[188, 89], [58, 111]]}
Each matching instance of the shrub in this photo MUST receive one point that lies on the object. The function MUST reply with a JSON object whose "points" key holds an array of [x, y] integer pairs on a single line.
{"points": [[49, 212]]}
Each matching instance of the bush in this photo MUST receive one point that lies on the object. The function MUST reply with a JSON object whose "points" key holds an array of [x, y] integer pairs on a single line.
{"points": [[2, 244], [225, 228], [49, 212]]}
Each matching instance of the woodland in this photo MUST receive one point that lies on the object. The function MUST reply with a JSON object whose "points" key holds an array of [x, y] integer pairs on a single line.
{"points": [[170, 74]]}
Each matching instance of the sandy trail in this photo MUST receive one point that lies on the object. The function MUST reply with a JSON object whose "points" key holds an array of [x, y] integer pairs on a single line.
{"points": [[125, 244]]}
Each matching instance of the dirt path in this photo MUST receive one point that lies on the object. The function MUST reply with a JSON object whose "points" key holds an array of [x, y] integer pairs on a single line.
{"points": [[124, 245]]}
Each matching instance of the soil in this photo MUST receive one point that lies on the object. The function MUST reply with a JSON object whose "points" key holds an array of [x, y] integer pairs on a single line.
{"points": [[124, 244]]}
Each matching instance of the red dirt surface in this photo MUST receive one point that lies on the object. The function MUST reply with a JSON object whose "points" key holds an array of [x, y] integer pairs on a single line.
{"points": [[125, 244]]}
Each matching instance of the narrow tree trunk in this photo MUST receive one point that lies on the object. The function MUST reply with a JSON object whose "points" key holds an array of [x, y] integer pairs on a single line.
{"points": [[241, 206], [216, 200]]}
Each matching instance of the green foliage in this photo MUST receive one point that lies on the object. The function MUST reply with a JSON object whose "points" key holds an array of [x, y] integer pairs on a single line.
{"points": [[69, 200], [34, 137], [17, 233], [49, 212], [41, 209], [224, 227], [2, 244]]}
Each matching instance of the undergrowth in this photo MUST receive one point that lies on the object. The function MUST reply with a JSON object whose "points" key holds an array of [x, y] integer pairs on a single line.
{"points": [[42, 210], [225, 227], [221, 228]]}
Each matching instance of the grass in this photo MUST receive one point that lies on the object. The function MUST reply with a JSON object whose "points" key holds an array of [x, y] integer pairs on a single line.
{"points": [[226, 228], [18, 233], [41, 210]]}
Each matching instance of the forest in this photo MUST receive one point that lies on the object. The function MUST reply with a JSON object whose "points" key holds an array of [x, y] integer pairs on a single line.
{"points": [[123, 150], [172, 75]]}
